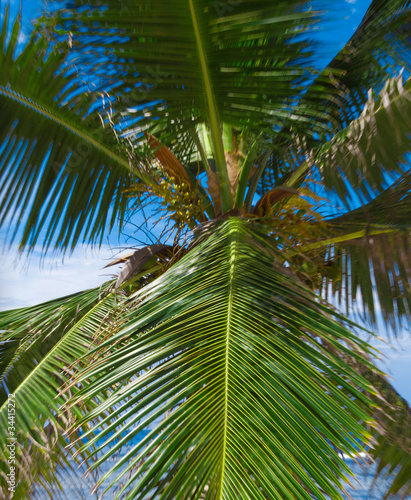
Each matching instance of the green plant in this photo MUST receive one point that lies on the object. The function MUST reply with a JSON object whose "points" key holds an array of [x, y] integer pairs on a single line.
{"points": [[223, 343]]}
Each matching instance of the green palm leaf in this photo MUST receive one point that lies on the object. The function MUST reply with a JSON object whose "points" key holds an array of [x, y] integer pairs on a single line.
{"points": [[47, 136], [367, 256], [376, 52], [230, 352], [186, 63], [378, 48], [373, 146], [40, 347], [393, 451]]}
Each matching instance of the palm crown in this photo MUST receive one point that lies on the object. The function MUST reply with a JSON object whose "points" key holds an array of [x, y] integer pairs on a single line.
{"points": [[220, 344]]}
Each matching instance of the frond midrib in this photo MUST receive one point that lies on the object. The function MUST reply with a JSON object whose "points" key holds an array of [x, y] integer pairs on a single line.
{"points": [[231, 291], [35, 106], [50, 354], [214, 123]]}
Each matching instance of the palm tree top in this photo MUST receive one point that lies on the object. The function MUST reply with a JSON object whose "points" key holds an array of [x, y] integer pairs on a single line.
{"points": [[215, 111]]}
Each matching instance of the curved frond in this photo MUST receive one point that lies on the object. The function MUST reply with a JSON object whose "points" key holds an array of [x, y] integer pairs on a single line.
{"points": [[377, 51], [183, 63], [40, 346], [368, 256], [371, 147], [364, 155], [62, 174], [225, 358]]}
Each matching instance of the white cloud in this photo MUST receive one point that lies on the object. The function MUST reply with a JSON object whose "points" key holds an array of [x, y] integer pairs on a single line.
{"points": [[351, 1], [25, 283], [21, 37]]}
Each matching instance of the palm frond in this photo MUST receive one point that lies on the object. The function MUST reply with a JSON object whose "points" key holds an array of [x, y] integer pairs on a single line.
{"points": [[362, 157], [372, 147], [377, 51], [208, 63], [47, 136], [40, 346], [393, 450], [225, 358], [368, 259]]}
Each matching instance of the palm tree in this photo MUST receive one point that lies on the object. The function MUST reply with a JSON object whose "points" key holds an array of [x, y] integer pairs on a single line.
{"points": [[222, 347]]}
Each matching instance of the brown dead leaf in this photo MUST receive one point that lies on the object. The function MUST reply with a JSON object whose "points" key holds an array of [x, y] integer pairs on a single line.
{"points": [[272, 197], [172, 166]]}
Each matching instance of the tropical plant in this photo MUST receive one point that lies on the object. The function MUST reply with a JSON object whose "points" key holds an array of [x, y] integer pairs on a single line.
{"points": [[221, 347]]}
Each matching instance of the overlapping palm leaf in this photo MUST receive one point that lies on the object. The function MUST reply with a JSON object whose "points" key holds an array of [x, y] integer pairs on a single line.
{"points": [[55, 151], [242, 51], [367, 254], [40, 346], [377, 51], [364, 156], [393, 451], [372, 147], [225, 358]]}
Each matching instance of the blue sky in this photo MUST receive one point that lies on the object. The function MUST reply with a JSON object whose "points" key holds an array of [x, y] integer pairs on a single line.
{"points": [[26, 282]]}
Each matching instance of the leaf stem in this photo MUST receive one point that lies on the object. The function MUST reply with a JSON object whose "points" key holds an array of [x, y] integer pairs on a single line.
{"points": [[215, 126], [344, 238]]}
